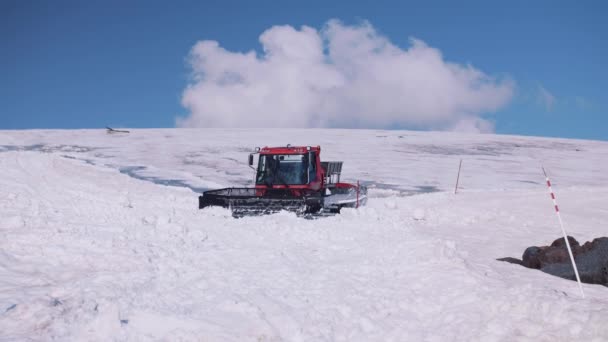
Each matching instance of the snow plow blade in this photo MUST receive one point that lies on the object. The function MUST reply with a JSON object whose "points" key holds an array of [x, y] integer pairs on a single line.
{"points": [[249, 202]]}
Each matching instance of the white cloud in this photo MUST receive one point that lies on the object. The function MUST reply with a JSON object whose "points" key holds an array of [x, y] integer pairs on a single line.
{"points": [[472, 124], [342, 76], [545, 98]]}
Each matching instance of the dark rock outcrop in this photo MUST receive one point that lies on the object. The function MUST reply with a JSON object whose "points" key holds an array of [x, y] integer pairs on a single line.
{"points": [[591, 259]]}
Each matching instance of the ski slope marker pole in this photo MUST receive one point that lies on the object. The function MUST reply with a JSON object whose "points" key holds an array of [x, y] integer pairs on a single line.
{"points": [[458, 177], [561, 223]]}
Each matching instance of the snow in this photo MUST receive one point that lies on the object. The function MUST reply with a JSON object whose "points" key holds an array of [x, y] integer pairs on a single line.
{"points": [[95, 246]]}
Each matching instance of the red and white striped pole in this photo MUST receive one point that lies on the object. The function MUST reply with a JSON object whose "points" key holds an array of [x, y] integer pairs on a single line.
{"points": [[561, 223]]}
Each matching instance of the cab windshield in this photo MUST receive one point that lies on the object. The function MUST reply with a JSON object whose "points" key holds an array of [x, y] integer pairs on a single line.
{"points": [[286, 169]]}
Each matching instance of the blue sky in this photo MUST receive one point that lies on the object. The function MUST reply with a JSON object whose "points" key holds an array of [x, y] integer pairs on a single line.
{"points": [[81, 64]]}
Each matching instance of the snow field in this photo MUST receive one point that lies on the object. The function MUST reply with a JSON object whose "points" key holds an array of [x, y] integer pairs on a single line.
{"points": [[88, 253]]}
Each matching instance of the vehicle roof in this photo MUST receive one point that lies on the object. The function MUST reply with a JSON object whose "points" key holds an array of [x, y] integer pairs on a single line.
{"points": [[289, 149]]}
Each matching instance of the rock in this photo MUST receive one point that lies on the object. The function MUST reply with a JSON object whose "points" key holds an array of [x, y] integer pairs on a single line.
{"points": [[591, 259], [553, 255], [538, 257], [561, 242], [531, 257], [562, 270]]}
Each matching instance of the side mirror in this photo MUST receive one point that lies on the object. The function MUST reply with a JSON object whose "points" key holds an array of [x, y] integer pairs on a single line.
{"points": [[250, 159]]}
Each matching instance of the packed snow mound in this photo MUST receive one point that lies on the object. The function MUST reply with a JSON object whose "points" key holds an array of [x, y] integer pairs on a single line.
{"points": [[88, 252]]}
